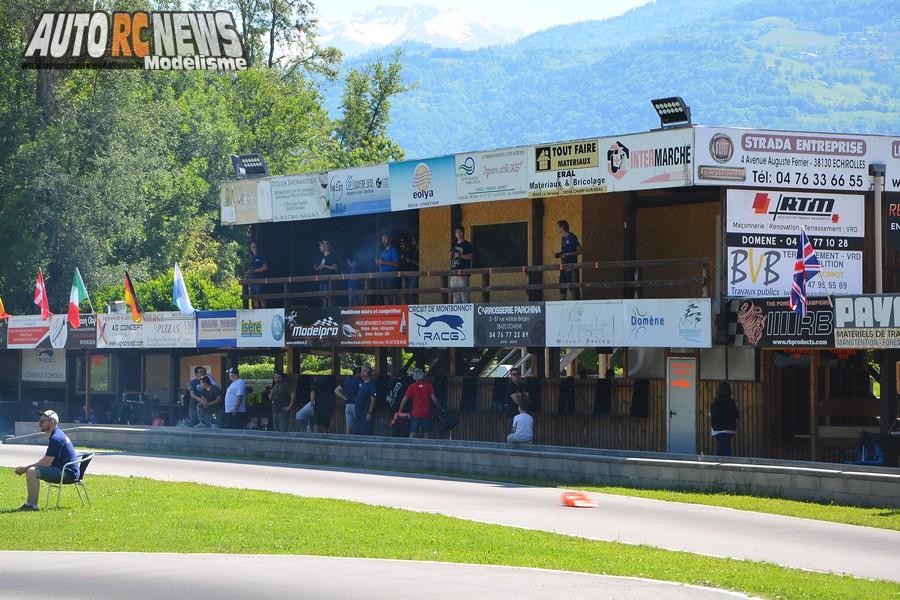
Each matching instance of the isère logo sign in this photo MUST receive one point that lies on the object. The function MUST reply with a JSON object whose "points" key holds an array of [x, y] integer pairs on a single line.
{"points": [[167, 41]]}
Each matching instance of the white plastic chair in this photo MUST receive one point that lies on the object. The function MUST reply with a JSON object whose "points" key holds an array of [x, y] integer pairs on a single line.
{"points": [[83, 461]]}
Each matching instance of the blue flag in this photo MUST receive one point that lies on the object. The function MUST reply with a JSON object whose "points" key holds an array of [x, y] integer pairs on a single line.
{"points": [[180, 294]]}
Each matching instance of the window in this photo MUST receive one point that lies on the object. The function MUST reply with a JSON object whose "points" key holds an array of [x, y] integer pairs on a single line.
{"points": [[100, 374], [500, 244], [741, 364]]}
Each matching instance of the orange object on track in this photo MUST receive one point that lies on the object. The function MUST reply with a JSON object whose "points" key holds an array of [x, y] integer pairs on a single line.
{"points": [[577, 500]]}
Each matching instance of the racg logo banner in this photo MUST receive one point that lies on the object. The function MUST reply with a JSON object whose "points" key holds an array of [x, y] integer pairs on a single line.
{"points": [[442, 325]]}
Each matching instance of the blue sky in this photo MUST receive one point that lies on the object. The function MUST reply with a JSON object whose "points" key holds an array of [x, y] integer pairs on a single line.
{"points": [[527, 15]]}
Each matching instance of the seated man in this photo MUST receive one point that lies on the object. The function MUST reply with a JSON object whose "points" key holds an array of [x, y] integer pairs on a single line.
{"points": [[50, 468], [522, 426]]}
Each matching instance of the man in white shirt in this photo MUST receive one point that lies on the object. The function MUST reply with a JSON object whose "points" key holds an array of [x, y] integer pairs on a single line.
{"points": [[235, 401], [522, 425]]}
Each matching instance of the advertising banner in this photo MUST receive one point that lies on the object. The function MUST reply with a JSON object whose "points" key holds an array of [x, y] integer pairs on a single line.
{"points": [[892, 225], [245, 201], [359, 191], [169, 329], [299, 197], [891, 153], [659, 159], [762, 230], [260, 328], [668, 323], [770, 323], [509, 325], [784, 159], [217, 329], [63, 335], [442, 325], [584, 323], [867, 321], [27, 331], [566, 168], [375, 326], [423, 183], [495, 175], [44, 366]]}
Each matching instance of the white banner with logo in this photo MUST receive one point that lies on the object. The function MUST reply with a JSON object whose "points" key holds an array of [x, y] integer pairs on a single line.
{"points": [[566, 168], [442, 325], [423, 183], [891, 153], [168, 329], [299, 197], [260, 328], [762, 231], [871, 321], [46, 366], [495, 175], [584, 324], [359, 191], [784, 159], [659, 159], [27, 331], [245, 201], [668, 323]]}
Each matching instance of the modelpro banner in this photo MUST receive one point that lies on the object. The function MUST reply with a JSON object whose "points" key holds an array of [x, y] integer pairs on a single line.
{"points": [[871, 321], [442, 325], [762, 230]]}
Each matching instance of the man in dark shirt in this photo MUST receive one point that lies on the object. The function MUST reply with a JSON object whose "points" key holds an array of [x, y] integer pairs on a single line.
{"points": [[388, 262], [409, 261], [282, 402], [365, 402], [52, 467], [321, 396], [347, 392], [568, 255], [328, 265], [259, 268], [461, 254], [196, 396], [213, 408], [512, 397]]}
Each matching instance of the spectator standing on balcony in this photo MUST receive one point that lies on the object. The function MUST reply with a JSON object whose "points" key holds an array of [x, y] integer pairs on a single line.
{"points": [[568, 255], [409, 261], [723, 418], [365, 402], [522, 429], [461, 254], [258, 268], [513, 395], [282, 398], [328, 265], [421, 394], [347, 392], [388, 262]]}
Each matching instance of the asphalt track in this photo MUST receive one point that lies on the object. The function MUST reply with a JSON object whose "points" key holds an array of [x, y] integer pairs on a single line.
{"points": [[799, 543]]}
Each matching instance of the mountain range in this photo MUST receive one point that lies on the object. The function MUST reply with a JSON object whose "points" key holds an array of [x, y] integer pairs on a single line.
{"points": [[805, 64]]}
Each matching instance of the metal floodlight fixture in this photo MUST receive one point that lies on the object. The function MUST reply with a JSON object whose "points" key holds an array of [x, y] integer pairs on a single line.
{"points": [[249, 166], [672, 111]]}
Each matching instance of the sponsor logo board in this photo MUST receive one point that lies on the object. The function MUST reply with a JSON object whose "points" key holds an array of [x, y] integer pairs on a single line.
{"points": [[584, 324], [669, 323], [566, 168], [375, 326], [509, 325], [298, 197], [871, 321], [496, 175], [442, 325], [168, 329], [45, 365], [359, 191], [770, 323], [217, 328], [63, 335], [27, 331], [260, 328], [649, 160], [245, 201], [423, 183]]}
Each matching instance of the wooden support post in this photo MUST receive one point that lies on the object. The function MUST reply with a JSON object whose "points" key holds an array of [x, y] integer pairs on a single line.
{"points": [[452, 362], [87, 384], [279, 361], [485, 284], [537, 248], [814, 405], [335, 362]]}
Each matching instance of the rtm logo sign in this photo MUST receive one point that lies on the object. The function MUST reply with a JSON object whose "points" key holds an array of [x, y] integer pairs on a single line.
{"points": [[205, 41], [795, 206]]}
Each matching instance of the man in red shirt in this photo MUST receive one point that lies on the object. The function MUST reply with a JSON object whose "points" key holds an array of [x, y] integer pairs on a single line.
{"points": [[421, 393]]}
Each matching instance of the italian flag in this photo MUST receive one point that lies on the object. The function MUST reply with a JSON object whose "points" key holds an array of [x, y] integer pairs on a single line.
{"points": [[76, 297]]}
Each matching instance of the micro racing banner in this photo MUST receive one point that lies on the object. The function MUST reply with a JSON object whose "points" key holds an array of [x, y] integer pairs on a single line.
{"points": [[584, 324], [509, 325], [442, 325], [770, 323], [871, 321]]}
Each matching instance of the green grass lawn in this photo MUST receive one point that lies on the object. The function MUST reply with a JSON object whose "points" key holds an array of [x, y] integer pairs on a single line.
{"points": [[133, 514]]}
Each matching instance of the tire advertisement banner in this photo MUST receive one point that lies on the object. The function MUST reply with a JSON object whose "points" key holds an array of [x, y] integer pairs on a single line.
{"points": [[63, 335], [217, 329], [353, 326], [668, 323], [442, 325], [260, 328], [566, 168], [495, 175], [168, 329], [584, 324], [762, 230], [298, 197], [27, 332], [770, 323], [509, 325], [871, 321]]}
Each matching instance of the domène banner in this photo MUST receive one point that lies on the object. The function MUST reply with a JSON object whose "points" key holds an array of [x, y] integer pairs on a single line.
{"points": [[509, 325], [217, 329], [299, 197], [566, 168], [359, 191], [584, 324], [770, 323], [643, 161], [442, 325], [63, 335], [871, 321], [784, 159], [494, 175], [260, 328], [245, 201], [668, 323], [27, 331], [168, 329], [423, 183], [762, 230], [45, 365], [372, 326]]}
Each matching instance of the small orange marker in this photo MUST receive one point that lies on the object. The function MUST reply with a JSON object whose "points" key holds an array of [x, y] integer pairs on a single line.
{"points": [[577, 500]]}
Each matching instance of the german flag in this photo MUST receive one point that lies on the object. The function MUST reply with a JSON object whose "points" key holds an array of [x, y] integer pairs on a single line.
{"points": [[131, 299]]}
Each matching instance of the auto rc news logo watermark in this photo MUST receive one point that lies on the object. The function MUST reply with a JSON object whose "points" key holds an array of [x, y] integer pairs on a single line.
{"points": [[165, 41]]}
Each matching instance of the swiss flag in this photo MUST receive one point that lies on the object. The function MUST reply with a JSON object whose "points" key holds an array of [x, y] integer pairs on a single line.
{"points": [[40, 296]]}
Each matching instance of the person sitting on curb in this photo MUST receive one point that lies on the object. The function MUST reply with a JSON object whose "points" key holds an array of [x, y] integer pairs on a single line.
{"points": [[50, 468], [522, 426]]}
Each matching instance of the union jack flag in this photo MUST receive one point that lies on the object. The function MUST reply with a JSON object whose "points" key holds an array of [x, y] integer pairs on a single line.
{"points": [[805, 268]]}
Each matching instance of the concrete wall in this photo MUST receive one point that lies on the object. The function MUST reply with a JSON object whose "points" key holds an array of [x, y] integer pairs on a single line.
{"points": [[823, 482]]}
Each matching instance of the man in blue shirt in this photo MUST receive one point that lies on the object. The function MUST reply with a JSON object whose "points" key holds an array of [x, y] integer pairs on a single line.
{"points": [[52, 467], [259, 268], [347, 392], [365, 402], [568, 255], [388, 262]]}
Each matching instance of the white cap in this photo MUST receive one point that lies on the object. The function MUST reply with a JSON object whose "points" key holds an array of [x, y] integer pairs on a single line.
{"points": [[50, 415]]}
